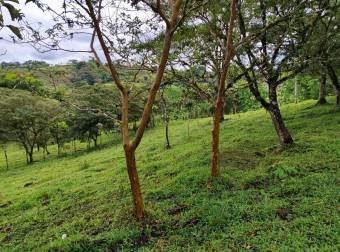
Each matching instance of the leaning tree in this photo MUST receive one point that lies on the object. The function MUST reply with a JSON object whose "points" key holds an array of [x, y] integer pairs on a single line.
{"points": [[280, 31]]}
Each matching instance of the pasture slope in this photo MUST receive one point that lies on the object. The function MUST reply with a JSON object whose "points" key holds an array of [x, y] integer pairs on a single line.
{"points": [[265, 200]]}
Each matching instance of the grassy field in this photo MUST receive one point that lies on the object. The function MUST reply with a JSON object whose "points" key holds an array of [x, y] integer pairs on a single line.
{"points": [[265, 200]]}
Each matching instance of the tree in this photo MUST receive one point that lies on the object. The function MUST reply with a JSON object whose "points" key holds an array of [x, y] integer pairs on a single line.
{"points": [[275, 54], [228, 55], [26, 117], [130, 146], [90, 12], [88, 107], [59, 131], [163, 104], [324, 50]]}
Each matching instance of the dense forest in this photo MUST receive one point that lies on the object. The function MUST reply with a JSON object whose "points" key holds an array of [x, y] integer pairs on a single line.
{"points": [[219, 118]]}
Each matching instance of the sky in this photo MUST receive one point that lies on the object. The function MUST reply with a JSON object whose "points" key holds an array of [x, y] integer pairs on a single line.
{"points": [[22, 52]]}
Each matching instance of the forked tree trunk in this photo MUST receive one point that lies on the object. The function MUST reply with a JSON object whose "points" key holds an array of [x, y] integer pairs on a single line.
{"points": [[131, 146], [285, 138], [134, 183], [323, 90], [228, 55]]}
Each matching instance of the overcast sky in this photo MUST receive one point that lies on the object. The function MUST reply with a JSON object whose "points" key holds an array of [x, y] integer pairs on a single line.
{"points": [[24, 52]]}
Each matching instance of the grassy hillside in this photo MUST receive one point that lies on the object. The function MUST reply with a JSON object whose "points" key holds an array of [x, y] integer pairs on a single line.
{"points": [[266, 200]]}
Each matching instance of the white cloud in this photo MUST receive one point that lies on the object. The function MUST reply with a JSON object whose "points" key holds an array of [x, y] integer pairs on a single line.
{"points": [[18, 52]]}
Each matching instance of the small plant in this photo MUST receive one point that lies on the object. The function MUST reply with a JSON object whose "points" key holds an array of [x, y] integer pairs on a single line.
{"points": [[282, 171], [84, 165]]}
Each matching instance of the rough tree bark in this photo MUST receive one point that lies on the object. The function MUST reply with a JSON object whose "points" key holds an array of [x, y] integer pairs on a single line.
{"points": [[274, 110], [131, 146], [228, 55], [323, 90]]}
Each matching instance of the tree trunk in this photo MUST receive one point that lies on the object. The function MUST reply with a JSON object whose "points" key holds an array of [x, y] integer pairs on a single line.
{"points": [[323, 90], [296, 91], [134, 182], [168, 146], [131, 146], [6, 157], [30, 157], [222, 112], [228, 55], [274, 110]]}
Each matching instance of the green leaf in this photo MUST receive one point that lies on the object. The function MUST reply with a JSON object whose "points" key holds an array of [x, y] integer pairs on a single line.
{"points": [[14, 1], [15, 30], [15, 13]]}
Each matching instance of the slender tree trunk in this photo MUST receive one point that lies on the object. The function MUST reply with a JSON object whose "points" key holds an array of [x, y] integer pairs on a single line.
{"points": [[131, 146], [134, 183], [168, 146], [6, 157], [323, 90], [134, 127], [285, 138], [296, 91], [228, 55], [166, 120]]}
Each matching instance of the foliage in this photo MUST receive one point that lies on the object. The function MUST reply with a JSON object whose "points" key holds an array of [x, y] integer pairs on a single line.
{"points": [[21, 80], [26, 118], [249, 208], [14, 13]]}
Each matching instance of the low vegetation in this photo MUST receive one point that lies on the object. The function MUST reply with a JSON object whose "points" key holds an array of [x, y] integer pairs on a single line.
{"points": [[265, 200]]}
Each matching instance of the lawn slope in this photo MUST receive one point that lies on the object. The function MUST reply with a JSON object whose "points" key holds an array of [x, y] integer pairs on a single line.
{"points": [[265, 200]]}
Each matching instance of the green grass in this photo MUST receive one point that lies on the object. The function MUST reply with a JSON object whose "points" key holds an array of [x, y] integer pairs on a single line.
{"points": [[265, 200]]}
